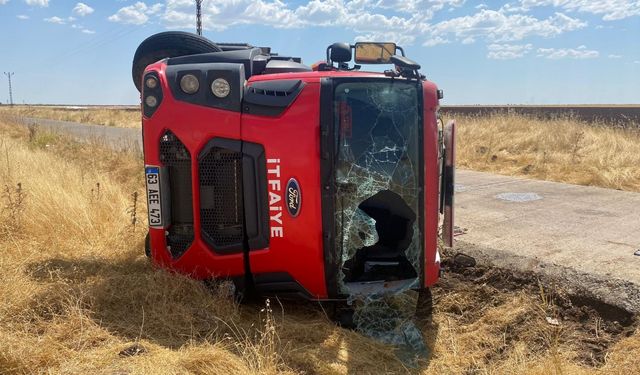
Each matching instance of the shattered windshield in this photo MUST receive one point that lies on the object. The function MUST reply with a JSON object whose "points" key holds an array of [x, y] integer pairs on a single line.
{"points": [[378, 184]]}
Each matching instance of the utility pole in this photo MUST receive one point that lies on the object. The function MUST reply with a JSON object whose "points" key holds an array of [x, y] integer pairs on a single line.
{"points": [[199, 17], [9, 74]]}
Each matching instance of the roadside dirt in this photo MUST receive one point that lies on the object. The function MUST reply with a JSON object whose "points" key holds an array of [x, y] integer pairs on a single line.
{"points": [[590, 327]]}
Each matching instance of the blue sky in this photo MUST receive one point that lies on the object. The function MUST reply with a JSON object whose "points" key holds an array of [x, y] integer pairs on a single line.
{"points": [[478, 52]]}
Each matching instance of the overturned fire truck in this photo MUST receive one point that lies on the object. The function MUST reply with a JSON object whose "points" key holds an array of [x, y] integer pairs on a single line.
{"points": [[319, 182]]}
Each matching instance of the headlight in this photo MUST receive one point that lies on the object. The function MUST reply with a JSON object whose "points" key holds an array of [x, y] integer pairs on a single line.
{"points": [[151, 83], [189, 84], [151, 101], [220, 87]]}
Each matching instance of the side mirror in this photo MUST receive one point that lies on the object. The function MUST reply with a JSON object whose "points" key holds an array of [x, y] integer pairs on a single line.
{"points": [[339, 52], [374, 53]]}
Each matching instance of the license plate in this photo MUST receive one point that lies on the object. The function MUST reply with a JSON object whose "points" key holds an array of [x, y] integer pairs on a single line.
{"points": [[154, 200]]}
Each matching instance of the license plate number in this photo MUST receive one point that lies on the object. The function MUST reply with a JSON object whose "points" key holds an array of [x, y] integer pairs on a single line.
{"points": [[154, 201]]}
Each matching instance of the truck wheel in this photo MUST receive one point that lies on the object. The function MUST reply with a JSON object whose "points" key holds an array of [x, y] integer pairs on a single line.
{"points": [[147, 246], [168, 44]]}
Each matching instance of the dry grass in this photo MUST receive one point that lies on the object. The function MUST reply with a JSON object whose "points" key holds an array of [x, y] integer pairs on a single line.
{"points": [[99, 116], [79, 296], [563, 150]]}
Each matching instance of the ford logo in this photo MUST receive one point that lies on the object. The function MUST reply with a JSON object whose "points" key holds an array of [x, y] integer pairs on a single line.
{"points": [[294, 197]]}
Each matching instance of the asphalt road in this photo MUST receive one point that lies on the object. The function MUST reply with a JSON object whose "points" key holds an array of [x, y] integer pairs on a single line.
{"points": [[582, 238], [117, 138]]}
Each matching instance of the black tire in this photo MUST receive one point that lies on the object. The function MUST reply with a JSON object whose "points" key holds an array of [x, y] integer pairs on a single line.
{"points": [[167, 44]]}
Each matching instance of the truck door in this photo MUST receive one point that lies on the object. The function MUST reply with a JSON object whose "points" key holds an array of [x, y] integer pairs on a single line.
{"points": [[283, 117]]}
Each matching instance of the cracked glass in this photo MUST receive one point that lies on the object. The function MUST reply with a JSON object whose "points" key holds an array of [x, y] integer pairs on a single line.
{"points": [[377, 177]]}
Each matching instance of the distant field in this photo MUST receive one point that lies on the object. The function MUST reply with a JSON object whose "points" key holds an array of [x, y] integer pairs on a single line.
{"points": [[627, 116], [123, 117], [562, 149], [611, 115]]}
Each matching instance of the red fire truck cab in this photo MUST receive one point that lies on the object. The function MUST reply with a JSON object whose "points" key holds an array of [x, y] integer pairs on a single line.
{"points": [[319, 182]]}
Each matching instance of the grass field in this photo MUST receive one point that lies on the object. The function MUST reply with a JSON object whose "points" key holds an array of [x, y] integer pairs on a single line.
{"points": [[80, 297], [99, 116], [617, 115], [562, 150]]}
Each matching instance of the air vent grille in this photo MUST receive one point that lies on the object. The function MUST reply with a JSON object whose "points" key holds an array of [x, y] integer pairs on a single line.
{"points": [[221, 205], [259, 91], [175, 156]]}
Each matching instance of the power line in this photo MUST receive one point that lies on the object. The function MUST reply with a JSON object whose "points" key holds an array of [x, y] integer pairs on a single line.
{"points": [[199, 17], [96, 41], [9, 74]]}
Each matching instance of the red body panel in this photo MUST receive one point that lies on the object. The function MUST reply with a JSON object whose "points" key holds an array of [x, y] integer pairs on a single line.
{"points": [[431, 188], [293, 139], [194, 126]]}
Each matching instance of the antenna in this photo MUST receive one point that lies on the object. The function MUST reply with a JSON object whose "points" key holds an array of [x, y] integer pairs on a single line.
{"points": [[199, 17], [9, 74]]}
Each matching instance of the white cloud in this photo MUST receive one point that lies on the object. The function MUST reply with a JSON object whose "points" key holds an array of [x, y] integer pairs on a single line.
{"points": [[322, 13], [59, 21], [435, 41], [136, 14], [155, 8], [612, 56], [222, 14], [567, 53], [363, 16], [469, 40], [513, 8], [508, 51], [273, 13], [421, 9], [55, 19], [37, 3], [82, 29], [22, 17], [404, 21], [2, 2], [82, 9], [370, 19], [610, 10], [497, 26], [481, 6]]}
